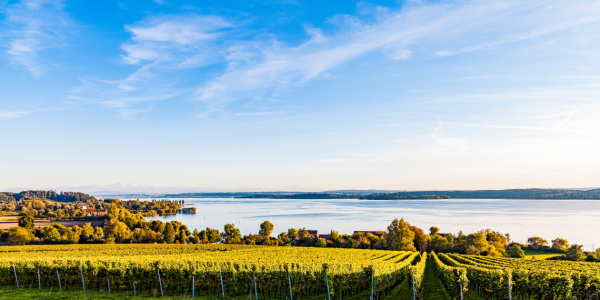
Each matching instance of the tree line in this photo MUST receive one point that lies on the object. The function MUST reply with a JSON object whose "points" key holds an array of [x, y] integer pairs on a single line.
{"points": [[480, 194], [123, 224], [55, 210]]}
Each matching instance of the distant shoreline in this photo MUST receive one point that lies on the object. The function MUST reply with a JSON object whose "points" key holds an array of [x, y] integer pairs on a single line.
{"points": [[513, 194]]}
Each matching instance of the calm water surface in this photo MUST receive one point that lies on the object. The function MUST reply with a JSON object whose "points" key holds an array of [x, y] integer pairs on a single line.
{"points": [[578, 221]]}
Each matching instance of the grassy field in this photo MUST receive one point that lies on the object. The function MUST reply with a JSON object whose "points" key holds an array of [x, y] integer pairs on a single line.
{"points": [[433, 288], [535, 254], [13, 293]]}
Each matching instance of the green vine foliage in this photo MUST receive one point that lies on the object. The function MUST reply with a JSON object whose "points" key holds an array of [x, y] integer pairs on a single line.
{"points": [[346, 269], [538, 279]]}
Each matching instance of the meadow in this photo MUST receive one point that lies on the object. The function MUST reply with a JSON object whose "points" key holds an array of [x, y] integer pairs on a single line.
{"points": [[536, 254]]}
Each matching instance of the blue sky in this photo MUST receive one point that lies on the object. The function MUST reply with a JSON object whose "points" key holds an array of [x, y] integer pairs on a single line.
{"points": [[299, 95]]}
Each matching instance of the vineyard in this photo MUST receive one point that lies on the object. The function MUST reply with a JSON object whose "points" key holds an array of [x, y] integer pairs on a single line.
{"points": [[219, 270], [259, 272], [514, 278]]}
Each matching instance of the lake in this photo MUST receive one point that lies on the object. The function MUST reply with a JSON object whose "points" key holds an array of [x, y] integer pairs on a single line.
{"points": [[578, 221]]}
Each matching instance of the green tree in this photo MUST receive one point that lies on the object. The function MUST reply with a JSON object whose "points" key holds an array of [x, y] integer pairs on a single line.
{"points": [[73, 235], [196, 238], [204, 237], [51, 235], [321, 243], [459, 245], [293, 233], [114, 211], [421, 239], [479, 241], [169, 234], [184, 235], [231, 234], [269, 242], [157, 226], [515, 251], [19, 236], [560, 244], [26, 221], [472, 250], [266, 228], [434, 230], [98, 233], [591, 257], [400, 237], [213, 235], [304, 234], [116, 230], [438, 243], [283, 239], [334, 236], [575, 253], [87, 232], [537, 242]]}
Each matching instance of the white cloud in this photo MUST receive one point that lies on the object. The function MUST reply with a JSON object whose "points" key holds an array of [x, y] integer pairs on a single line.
{"points": [[458, 144], [14, 114], [178, 39], [417, 29], [159, 46], [264, 113], [255, 67], [35, 25]]}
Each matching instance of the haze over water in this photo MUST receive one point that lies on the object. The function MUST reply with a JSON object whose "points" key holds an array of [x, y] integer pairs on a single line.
{"points": [[574, 220]]}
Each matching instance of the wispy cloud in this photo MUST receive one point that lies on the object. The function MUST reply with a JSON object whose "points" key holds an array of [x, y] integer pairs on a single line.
{"points": [[264, 113], [14, 114], [160, 46], [180, 40], [34, 25], [417, 29], [458, 144], [256, 67], [119, 96]]}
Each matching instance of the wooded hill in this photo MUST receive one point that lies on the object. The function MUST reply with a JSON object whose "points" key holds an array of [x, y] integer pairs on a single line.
{"points": [[542, 194], [45, 195]]}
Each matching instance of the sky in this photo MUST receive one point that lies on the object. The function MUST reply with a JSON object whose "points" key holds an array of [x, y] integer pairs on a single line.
{"points": [[183, 96]]}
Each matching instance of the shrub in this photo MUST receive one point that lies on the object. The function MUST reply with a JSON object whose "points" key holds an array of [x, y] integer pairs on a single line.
{"points": [[321, 243]]}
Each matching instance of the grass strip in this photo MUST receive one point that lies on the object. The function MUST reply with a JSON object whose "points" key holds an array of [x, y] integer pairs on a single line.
{"points": [[433, 289]]}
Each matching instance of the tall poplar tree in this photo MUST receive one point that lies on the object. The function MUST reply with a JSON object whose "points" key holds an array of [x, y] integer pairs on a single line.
{"points": [[400, 237]]}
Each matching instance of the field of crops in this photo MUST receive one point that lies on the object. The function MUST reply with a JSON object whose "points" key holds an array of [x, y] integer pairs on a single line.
{"points": [[260, 272], [513, 278]]}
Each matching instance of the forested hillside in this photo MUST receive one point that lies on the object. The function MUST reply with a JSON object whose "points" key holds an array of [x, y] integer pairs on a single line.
{"points": [[547, 194]]}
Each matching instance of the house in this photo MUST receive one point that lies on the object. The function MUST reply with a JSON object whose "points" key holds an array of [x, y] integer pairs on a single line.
{"points": [[188, 210], [324, 236], [90, 212], [83, 206]]}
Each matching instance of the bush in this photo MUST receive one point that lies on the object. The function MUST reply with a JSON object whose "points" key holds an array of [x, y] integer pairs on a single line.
{"points": [[575, 253], [321, 243], [591, 257], [471, 250], [20, 236], [516, 252]]}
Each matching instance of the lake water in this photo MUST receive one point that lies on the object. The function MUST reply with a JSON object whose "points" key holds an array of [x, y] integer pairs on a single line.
{"points": [[578, 221]]}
